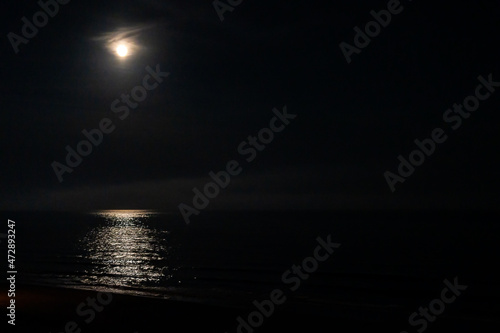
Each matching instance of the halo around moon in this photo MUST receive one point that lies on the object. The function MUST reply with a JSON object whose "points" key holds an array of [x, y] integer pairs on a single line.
{"points": [[124, 42]]}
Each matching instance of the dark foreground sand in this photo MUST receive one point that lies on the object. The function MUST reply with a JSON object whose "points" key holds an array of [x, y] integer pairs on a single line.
{"points": [[43, 309]]}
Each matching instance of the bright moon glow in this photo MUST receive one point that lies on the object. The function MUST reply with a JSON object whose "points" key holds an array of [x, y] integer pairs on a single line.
{"points": [[122, 50]]}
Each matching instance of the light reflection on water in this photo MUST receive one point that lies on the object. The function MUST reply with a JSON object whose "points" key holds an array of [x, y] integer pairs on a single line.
{"points": [[124, 251]]}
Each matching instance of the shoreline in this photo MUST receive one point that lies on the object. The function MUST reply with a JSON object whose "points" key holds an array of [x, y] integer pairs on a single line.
{"points": [[52, 309]]}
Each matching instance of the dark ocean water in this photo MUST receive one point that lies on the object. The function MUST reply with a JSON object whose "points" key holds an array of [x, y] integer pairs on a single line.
{"points": [[394, 261]]}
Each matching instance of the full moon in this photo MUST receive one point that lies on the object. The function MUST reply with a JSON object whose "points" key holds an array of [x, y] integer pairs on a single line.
{"points": [[122, 50]]}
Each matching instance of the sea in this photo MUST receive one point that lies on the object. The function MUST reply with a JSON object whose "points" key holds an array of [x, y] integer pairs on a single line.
{"points": [[387, 262]]}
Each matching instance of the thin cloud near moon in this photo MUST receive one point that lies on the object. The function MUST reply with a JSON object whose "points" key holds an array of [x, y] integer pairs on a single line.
{"points": [[124, 36]]}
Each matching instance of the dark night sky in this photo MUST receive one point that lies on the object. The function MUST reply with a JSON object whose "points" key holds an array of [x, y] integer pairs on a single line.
{"points": [[225, 79]]}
